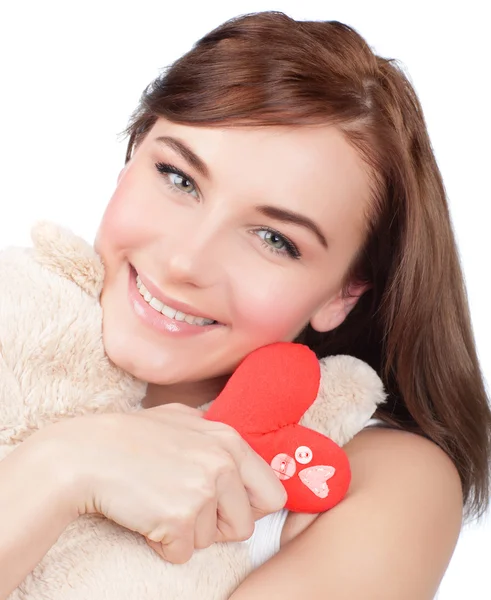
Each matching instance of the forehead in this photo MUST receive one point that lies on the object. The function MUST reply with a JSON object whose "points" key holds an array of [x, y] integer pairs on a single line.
{"points": [[312, 169]]}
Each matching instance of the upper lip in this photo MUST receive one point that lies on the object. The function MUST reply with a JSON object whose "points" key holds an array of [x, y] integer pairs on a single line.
{"points": [[180, 306]]}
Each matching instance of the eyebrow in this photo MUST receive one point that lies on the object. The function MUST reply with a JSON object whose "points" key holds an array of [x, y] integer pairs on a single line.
{"points": [[273, 212], [288, 216], [187, 154]]}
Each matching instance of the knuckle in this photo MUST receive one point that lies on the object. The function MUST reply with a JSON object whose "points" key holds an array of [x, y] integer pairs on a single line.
{"points": [[153, 536], [201, 544], [173, 406], [182, 519], [230, 438], [156, 535], [245, 531], [221, 463], [204, 488], [177, 557], [181, 408], [224, 428], [173, 523], [278, 501], [163, 409], [228, 433]]}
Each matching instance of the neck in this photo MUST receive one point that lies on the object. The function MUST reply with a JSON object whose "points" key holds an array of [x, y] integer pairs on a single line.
{"points": [[193, 393]]}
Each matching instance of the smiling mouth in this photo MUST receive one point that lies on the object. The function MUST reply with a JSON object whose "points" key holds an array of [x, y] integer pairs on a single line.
{"points": [[168, 311]]}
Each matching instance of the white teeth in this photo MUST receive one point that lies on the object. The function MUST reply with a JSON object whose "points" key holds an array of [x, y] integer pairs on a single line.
{"points": [[172, 313], [168, 311], [157, 304]]}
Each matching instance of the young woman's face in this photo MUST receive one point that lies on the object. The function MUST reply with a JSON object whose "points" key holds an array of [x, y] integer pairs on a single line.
{"points": [[254, 228]]}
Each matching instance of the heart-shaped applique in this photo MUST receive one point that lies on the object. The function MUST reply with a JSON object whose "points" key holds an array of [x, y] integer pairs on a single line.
{"points": [[315, 479]]}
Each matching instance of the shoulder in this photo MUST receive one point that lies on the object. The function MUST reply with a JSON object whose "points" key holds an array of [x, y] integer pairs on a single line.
{"points": [[403, 465], [407, 491], [401, 516], [400, 476], [382, 456]]}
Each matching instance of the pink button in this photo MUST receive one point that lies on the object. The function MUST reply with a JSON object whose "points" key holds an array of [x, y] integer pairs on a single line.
{"points": [[284, 466], [303, 455]]}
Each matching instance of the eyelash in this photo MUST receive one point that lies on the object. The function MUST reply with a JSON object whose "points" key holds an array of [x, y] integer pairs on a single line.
{"points": [[290, 248], [167, 169]]}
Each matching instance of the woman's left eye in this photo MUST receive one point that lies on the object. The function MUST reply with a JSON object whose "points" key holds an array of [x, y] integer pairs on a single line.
{"points": [[278, 243], [177, 179], [273, 240]]}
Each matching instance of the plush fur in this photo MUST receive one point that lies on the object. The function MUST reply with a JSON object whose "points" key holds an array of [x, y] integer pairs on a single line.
{"points": [[53, 366]]}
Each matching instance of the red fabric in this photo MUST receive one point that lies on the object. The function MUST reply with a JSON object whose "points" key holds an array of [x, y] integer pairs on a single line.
{"points": [[264, 400]]}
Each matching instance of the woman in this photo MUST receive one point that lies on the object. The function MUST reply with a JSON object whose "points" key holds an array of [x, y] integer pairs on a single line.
{"points": [[279, 185]]}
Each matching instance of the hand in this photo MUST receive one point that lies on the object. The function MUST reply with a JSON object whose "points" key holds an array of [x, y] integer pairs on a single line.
{"points": [[180, 480]]}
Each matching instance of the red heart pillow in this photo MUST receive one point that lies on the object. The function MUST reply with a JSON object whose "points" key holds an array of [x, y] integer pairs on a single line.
{"points": [[264, 400]]}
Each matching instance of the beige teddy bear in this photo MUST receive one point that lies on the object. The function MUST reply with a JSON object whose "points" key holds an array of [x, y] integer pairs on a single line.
{"points": [[53, 366]]}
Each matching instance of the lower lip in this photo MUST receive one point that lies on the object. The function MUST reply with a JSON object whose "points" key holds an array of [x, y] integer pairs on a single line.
{"points": [[158, 321]]}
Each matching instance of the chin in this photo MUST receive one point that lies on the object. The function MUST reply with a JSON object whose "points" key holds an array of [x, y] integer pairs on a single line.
{"points": [[126, 357], [150, 367]]}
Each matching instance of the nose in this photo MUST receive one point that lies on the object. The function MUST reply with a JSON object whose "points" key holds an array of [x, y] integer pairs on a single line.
{"points": [[194, 255]]}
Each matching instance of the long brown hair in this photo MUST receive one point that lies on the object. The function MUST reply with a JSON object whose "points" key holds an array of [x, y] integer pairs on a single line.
{"points": [[413, 324]]}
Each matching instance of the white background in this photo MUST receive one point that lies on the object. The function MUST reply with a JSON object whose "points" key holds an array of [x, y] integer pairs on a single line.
{"points": [[71, 73]]}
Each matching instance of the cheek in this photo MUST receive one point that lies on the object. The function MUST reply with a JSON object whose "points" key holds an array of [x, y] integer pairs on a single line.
{"points": [[272, 307], [124, 223]]}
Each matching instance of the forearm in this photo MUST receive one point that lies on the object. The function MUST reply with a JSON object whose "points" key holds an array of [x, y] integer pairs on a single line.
{"points": [[34, 510]]}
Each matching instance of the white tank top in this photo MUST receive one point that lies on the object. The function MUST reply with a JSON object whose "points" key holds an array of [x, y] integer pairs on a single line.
{"points": [[265, 541]]}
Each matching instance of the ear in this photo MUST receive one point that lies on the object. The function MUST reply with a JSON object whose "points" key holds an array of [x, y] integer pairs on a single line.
{"points": [[331, 314], [122, 172], [69, 256]]}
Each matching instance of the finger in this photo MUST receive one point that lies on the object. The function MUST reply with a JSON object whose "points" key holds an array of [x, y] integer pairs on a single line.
{"points": [[156, 546], [205, 531], [265, 491], [176, 408], [235, 520], [179, 549]]}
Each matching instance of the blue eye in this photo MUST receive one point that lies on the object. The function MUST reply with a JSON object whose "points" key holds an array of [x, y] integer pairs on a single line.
{"points": [[177, 179], [277, 243], [273, 240]]}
